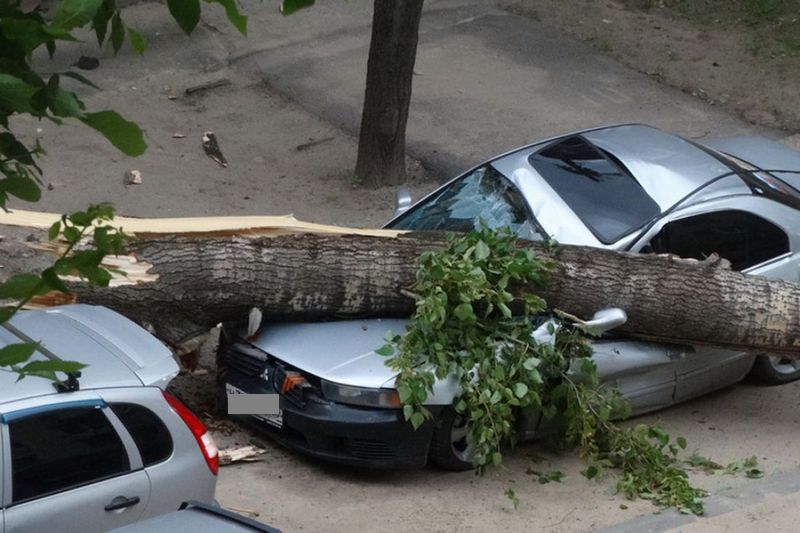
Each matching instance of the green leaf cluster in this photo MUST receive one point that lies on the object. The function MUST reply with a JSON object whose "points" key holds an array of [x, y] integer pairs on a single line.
{"points": [[88, 240], [546, 477], [23, 90], [747, 466], [290, 6], [474, 322], [464, 327], [645, 456], [14, 357], [23, 30], [187, 13]]}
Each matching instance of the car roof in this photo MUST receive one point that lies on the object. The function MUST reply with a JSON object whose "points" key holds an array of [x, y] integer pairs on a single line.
{"points": [[118, 352], [668, 167], [672, 170]]}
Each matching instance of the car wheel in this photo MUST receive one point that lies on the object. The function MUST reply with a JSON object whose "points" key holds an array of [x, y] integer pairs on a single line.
{"points": [[449, 447], [776, 370]]}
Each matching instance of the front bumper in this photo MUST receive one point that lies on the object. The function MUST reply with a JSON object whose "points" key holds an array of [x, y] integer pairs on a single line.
{"points": [[356, 436]]}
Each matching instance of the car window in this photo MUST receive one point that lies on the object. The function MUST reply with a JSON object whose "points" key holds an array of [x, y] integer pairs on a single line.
{"points": [[598, 189], [742, 238], [148, 431], [483, 194], [61, 449]]}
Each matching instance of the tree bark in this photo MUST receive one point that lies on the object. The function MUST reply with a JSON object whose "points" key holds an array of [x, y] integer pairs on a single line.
{"points": [[183, 285], [390, 68]]}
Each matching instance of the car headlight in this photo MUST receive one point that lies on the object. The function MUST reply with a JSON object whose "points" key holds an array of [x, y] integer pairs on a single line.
{"points": [[385, 398]]}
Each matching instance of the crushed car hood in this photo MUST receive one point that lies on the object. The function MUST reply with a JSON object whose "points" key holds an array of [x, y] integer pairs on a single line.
{"points": [[340, 351]]}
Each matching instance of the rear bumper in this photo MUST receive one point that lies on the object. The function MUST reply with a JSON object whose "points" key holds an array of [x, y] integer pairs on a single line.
{"points": [[339, 433]]}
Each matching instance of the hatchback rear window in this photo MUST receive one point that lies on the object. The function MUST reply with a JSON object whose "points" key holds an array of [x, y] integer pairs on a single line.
{"points": [[603, 194], [148, 431]]}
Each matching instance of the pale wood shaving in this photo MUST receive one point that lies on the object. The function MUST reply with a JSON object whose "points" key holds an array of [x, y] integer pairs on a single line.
{"points": [[198, 226]]}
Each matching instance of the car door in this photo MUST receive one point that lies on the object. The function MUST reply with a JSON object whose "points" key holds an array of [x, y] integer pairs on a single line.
{"points": [[70, 467], [644, 372], [753, 244]]}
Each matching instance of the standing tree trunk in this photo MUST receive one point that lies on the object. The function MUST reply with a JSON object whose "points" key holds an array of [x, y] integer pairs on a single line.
{"points": [[390, 68]]}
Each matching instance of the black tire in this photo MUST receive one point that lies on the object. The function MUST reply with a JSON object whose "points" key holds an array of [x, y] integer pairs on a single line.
{"points": [[443, 452], [775, 371]]}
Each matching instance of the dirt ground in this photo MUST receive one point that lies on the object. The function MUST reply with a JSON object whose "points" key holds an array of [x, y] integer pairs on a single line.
{"points": [[741, 55]]}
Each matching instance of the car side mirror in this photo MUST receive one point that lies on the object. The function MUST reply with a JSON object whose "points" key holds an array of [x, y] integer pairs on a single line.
{"points": [[605, 320], [402, 201]]}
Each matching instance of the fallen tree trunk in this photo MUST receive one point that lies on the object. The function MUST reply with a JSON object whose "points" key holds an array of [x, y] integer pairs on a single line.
{"points": [[186, 280]]}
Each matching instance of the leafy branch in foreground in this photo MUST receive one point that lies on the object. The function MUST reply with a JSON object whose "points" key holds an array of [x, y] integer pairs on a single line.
{"points": [[24, 91], [507, 363], [100, 240]]}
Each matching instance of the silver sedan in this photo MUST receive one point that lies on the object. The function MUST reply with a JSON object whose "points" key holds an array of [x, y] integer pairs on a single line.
{"points": [[625, 187]]}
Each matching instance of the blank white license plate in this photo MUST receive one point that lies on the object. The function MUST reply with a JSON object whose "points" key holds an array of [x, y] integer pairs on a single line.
{"points": [[273, 420]]}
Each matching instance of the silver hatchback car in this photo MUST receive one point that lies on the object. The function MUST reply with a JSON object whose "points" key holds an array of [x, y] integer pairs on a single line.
{"points": [[110, 448]]}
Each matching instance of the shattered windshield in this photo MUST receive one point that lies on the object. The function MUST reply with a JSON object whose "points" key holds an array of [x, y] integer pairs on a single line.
{"points": [[605, 196], [483, 194]]}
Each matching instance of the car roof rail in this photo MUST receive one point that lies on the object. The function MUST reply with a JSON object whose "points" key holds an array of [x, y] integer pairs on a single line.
{"points": [[71, 384]]}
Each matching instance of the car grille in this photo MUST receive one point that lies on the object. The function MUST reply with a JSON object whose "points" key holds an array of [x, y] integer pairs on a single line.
{"points": [[249, 365], [253, 364], [370, 449]]}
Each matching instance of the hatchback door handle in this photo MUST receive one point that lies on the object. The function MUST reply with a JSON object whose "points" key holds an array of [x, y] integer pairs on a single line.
{"points": [[121, 502]]}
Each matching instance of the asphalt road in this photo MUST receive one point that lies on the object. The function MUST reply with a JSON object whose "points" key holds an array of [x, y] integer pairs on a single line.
{"points": [[486, 81]]}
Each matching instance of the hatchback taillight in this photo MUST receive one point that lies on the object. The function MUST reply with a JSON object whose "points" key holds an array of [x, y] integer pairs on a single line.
{"points": [[198, 429]]}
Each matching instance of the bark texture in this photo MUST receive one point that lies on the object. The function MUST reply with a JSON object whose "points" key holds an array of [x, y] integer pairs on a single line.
{"points": [[390, 68], [193, 283]]}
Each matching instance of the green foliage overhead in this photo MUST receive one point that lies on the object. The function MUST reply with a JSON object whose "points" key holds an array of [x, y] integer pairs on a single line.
{"points": [[238, 20], [14, 354], [23, 30], [88, 240], [185, 12], [137, 41], [23, 90], [124, 135], [75, 13], [290, 6]]}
